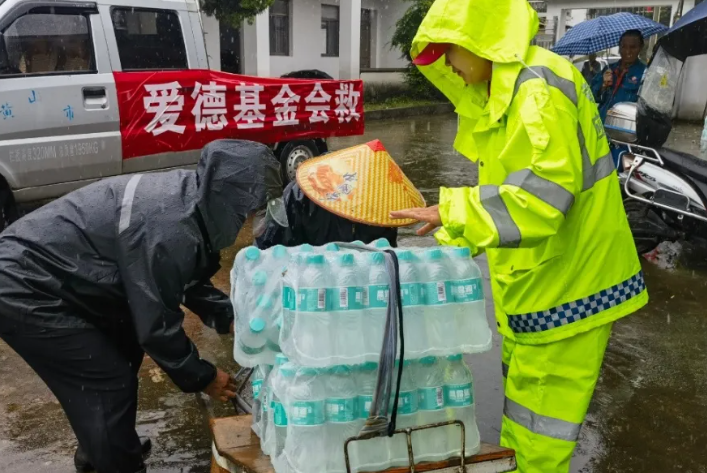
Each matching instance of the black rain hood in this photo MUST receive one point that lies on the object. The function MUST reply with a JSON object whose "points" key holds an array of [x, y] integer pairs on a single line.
{"points": [[234, 178]]}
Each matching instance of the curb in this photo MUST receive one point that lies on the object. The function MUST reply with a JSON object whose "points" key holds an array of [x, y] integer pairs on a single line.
{"points": [[403, 112]]}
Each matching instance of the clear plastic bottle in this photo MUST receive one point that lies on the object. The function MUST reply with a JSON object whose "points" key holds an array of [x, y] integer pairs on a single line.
{"points": [[430, 444], [469, 307], [306, 422], [260, 373], [440, 322], [267, 434], [289, 302], [311, 333], [333, 247], [381, 244], [252, 340], [407, 415], [279, 415], [369, 454], [459, 403], [413, 305], [375, 303], [346, 316], [341, 414]]}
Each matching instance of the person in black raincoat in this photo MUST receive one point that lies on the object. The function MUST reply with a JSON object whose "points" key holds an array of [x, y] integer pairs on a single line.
{"points": [[95, 279]]}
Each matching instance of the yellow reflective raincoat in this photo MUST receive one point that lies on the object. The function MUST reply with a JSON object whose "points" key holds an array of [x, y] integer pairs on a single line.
{"points": [[548, 213], [548, 207]]}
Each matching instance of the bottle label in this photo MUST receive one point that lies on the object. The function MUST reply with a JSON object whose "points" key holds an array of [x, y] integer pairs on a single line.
{"points": [[377, 296], [288, 298], [431, 399], [307, 413], [341, 409], [412, 294], [346, 298], [257, 384], [468, 290], [458, 395], [364, 406], [279, 415], [407, 402], [312, 300], [265, 402], [439, 292]]}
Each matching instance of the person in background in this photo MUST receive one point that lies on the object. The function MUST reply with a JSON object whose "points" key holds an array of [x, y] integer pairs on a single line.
{"points": [[591, 68], [620, 82], [547, 212], [92, 281]]}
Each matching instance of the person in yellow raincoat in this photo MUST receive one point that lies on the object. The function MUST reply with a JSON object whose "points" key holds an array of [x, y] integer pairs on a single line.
{"points": [[547, 211]]}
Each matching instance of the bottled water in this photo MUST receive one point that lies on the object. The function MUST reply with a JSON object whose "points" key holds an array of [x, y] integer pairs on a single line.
{"points": [[252, 341], [259, 375], [459, 403], [375, 303], [347, 310], [279, 425], [332, 247], [307, 431], [267, 429], [372, 453], [468, 308], [407, 415], [430, 444], [413, 308], [306, 248], [440, 322], [381, 243], [311, 333], [289, 301], [358, 243], [341, 414]]}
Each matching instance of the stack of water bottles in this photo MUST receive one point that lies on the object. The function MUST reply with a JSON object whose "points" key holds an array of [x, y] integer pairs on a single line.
{"points": [[312, 320]]}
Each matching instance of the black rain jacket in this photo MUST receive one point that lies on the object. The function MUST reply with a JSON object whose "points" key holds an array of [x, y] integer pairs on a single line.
{"points": [[132, 249]]}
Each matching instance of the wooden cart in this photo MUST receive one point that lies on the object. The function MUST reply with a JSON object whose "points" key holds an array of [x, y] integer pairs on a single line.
{"points": [[236, 449]]}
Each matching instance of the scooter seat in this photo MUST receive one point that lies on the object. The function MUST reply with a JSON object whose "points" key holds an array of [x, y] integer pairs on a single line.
{"points": [[685, 163]]}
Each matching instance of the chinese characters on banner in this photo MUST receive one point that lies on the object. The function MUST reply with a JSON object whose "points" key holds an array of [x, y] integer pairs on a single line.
{"points": [[184, 110]]}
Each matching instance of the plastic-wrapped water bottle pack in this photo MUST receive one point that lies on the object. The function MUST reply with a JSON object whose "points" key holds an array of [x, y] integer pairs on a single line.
{"points": [[308, 413], [326, 306]]}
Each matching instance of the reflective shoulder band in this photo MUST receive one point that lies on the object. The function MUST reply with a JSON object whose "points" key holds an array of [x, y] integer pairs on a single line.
{"points": [[552, 194], [539, 424]]}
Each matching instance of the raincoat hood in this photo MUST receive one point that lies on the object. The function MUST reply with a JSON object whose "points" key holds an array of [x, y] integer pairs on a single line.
{"points": [[497, 30], [234, 178]]}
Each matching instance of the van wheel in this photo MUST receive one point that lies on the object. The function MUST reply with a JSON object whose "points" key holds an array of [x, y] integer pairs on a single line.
{"points": [[294, 153], [8, 208]]}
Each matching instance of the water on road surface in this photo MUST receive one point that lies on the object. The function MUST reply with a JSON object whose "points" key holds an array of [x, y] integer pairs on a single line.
{"points": [[649, 412]]}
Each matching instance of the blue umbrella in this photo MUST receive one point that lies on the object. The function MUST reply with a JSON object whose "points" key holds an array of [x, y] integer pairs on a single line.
{"points": [[604, 33], [688, 37]]}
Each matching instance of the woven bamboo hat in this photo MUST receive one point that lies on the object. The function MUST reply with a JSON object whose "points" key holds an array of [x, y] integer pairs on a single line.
{"points": [[362, 184]]}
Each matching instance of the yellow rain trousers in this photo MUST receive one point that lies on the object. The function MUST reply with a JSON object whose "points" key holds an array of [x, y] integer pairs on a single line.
{"points": [[548, 213]]}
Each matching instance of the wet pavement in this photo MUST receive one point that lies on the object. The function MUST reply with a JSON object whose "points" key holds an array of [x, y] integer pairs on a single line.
{"points": [[649, 413]]}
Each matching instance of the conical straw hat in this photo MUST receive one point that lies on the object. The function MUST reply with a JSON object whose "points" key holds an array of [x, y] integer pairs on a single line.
{"points": [[362, 184]]}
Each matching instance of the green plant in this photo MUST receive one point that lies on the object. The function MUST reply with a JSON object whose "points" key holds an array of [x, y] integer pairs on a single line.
{"points": [[405, 30], [234, 12]]}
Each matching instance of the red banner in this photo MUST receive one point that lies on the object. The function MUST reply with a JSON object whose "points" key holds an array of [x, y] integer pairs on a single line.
{"points": [[184, 110]]}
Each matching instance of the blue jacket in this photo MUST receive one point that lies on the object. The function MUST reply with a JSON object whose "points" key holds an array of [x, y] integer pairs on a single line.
{"points": [[627, 91]]}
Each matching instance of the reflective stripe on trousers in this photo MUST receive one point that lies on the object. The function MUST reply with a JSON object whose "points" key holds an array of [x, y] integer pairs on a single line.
{"points": [[547, 392], [545, 190]]}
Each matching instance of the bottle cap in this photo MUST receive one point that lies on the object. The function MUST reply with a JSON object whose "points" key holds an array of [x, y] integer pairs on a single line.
{"points": [[260, 278], [381, 243], [257, 325], [306, 248], [332, 247], [461, 252], [315, 259], [428, 360], [456, 357], [358, 243], [252, 253], [405, 255], [288, 370], [434, 255], [279, 251], [347, 259], [376, 258], [280, 359]]}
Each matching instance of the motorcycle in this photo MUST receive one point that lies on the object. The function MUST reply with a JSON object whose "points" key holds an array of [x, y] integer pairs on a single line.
{"points": [[665, 190]]}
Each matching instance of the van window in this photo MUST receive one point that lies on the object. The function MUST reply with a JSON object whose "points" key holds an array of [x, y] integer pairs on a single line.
{"points": [[149, 39], [47, 43]]}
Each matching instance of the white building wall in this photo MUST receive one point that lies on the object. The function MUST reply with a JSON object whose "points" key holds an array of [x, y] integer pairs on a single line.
{"points": [[388, 12]]}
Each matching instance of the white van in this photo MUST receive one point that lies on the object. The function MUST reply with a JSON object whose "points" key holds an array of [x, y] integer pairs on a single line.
{"points": [[59, 119]]}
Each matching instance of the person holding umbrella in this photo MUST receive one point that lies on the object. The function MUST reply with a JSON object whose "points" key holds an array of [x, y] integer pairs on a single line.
{"points": [[547, 212], [620, 82]]}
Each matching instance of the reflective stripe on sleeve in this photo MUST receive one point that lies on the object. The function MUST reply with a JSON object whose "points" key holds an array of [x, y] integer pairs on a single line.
{"points": [[126, 207], [539, 424], [565, 86], [552, 194], [508, 231]]}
